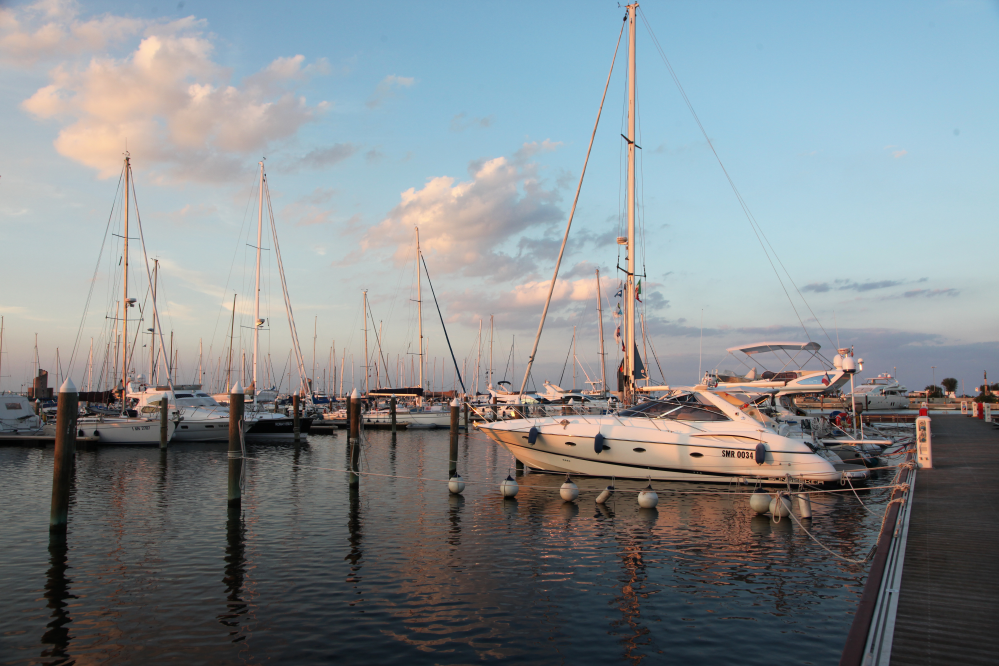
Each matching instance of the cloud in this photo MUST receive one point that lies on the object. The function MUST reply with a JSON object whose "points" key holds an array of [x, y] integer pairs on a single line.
{"points": [[174, 105], [387, 88], [529, 150], [473, 227], [899, 153], [51, 29], [374, 156], [930, 293], [460, 122], [850, 285], [320, 158]]}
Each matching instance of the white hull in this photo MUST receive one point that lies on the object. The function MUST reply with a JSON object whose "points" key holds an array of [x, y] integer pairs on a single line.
{"points": [[124, 431], [640, 449]]}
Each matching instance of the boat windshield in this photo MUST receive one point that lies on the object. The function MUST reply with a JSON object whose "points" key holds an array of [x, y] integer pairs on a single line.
{"points": [[745, 403], [680, 408]]}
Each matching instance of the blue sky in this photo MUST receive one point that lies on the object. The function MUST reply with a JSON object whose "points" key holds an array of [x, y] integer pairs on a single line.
{"points": [[863, 139]]}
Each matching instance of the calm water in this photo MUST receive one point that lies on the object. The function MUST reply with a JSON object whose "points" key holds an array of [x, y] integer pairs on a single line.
{"points": [[155, 569]]}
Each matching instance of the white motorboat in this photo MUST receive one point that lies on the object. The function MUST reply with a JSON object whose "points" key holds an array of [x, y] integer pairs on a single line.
{"points": [[692, 435], [881, 392], [123, 430], [200, 418], [17, 417], [688, 435]]}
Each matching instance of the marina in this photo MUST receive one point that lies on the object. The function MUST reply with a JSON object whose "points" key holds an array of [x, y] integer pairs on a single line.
{"points": [[460, 466]]}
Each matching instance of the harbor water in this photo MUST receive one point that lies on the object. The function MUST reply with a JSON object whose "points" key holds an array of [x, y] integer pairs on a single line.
{"points": [[155, 569]]}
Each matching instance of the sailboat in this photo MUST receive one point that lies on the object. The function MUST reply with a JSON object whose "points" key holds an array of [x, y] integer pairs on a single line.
{"points": [[688, 435], [419, 415], [129, 427]]}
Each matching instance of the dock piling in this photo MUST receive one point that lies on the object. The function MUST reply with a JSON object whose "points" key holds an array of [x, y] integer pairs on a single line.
{"points": [[164, 417], [452, 458], [392, 405], [354, 438], [466, 417], [297, 426], [236, 407], [64, 455]]}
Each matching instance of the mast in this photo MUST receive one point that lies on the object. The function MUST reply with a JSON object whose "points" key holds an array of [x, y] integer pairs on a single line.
{"points": [[366, 386], [419, 309], [478, 359], [124, 300], [232, 324], [315, 334], [152, 331], [629, 292], [490, 352], [574, 359], [90, 360], [1, 349], [256, 290], [600, 319], [201, 373]]}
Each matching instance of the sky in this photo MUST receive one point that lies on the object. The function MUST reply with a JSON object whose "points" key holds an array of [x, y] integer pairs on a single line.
{"points": [[861, 137]]}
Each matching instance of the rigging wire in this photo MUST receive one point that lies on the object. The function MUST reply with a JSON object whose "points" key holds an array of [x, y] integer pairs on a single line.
{"points": [[757, 230]]}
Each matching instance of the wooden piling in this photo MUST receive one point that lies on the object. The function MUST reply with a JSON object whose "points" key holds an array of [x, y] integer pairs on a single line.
{"points": [[236, 407], [296, 424], [63, 456], [466, 418], [392, 404], [164, 419], [354, 439], [452, 458]]}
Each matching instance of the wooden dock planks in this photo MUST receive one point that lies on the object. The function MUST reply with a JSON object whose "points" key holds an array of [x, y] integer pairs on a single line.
{"points": [[948, 611]]}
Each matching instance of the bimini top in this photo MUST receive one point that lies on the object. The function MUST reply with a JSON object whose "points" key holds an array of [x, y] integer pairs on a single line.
{"points": [[760, 347]]}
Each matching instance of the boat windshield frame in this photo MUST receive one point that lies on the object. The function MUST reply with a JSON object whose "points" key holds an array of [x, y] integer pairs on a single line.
{"points": [[685, 407]]}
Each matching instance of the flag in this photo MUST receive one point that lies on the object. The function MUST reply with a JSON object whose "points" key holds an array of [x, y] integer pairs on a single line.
{"points": [[825, 378], [617, 312], [617, 337], [620, 293], [638, 292]]}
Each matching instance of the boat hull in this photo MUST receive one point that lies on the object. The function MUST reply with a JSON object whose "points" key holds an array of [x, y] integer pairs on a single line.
{"points": [[125, 431], [268, 429], [648, 452]]}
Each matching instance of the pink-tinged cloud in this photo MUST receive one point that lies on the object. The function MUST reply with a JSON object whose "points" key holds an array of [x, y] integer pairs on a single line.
{"points": [[174, 106]]}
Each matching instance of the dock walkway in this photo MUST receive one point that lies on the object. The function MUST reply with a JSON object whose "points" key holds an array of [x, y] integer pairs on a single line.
{"points": [[948, 603]]}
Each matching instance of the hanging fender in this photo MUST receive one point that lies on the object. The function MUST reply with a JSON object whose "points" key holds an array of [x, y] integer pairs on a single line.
{"points": [[532, 436], [598, 443], [761, 453]]}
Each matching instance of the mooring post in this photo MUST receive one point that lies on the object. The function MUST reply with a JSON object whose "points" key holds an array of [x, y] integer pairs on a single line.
{"points": [[236, 406], [392, 410], [347, 412], [296, 424], [466, 416], [452, 458], [492, 402], [354, 438], [164, 416], [64, 455]]}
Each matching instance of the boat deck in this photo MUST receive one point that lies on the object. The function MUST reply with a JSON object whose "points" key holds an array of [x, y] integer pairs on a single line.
{"points": [[949, 596]]}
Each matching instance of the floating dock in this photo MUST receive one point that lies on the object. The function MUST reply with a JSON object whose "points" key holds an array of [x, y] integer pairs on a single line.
{"points": [[948, 602], [938, 594]]}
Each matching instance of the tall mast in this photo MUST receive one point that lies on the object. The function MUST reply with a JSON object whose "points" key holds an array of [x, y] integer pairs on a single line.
{"points": [[366, 386], [256, 290], [478, 358], [90, 361], [1, 350], [419, 307], [490, 352], [201, 372], [124, 300], [574, 359], [315, 334], [600, 318], [232, 331], [152, 331], [629, 292]]}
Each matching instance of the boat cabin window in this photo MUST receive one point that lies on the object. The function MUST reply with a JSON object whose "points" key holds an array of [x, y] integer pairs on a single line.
{"points": [[684, 408]]}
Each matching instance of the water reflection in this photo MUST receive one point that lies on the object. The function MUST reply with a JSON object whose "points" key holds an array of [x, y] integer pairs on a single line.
{"points": [[455, 504], [56, 596], [235, 573], [354, 537]]}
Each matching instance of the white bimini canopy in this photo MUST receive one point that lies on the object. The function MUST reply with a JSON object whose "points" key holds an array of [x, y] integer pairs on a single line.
{"points": [[761, 347]]}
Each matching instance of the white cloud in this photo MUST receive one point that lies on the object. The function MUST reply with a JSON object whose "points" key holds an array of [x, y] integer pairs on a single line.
{"points": [[174, 105], [387, 89], [466, 226], [51, 29]]}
